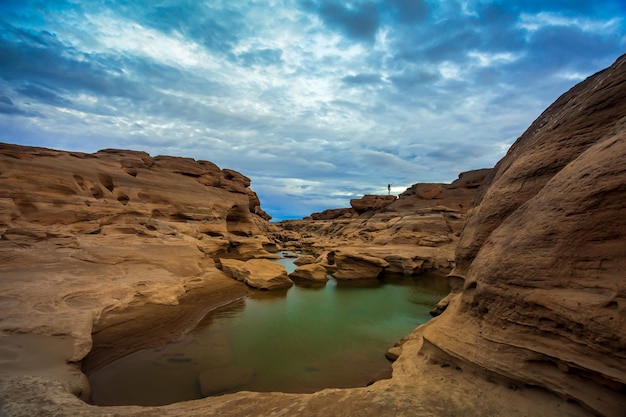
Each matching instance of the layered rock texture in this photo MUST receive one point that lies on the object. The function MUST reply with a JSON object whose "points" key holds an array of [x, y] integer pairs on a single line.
{"points": [[541, 265], [85, 236], [382, 235], [109, 243]]}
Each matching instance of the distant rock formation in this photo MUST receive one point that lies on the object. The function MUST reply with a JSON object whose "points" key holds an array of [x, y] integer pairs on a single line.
{"points": [[102, 248], [456, 196], [409, 234], [540, 285]]}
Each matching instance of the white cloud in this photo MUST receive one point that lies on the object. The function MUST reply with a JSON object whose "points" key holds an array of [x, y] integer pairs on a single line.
{"points": [[118, 35], [534, 22]]}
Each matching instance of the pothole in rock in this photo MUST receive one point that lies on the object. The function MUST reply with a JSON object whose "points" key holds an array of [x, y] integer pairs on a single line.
{"points": [[299, 340]]}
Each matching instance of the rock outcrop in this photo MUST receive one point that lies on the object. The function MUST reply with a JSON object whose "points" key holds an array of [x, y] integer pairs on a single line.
{"points": [[409, 234], [262, 274], [310, 272], [84, 237], [540, 294], [535, 324]]}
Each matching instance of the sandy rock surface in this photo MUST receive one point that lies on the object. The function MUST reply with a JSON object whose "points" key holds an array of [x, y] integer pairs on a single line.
{"points": [[541, 260], [108, 244], [310, 272], [257, 273]]}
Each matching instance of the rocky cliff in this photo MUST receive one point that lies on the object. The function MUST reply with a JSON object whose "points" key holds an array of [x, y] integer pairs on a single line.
{"points": [[535, 324], [540, 278], [83, 236]]}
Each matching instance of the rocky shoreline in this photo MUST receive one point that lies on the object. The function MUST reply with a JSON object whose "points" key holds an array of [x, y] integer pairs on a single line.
{"points": [[101, 247]]}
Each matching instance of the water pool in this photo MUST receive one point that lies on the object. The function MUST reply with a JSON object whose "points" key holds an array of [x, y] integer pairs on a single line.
{"points": [[297, 340]]}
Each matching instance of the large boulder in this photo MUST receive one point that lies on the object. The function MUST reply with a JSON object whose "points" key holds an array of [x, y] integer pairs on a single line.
{"points": [[310, 272], [540, 298], [257, 273], [355, 266], [371, 202]]}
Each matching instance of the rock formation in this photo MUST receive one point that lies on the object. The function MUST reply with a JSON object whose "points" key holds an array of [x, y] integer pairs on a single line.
{"points": [[382, 235], [541, 290], [257, 273], [535, 324], [83, 237], [310, 272]]}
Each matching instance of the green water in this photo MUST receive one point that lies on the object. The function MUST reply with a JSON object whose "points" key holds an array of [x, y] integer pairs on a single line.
{"points": [[298, 340]]}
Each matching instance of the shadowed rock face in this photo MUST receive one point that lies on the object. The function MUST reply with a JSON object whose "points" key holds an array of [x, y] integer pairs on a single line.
{"points": [[542, 256]]}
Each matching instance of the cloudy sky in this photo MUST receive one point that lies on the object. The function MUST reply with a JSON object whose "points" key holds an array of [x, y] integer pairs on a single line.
{"points": [[317, 101]]}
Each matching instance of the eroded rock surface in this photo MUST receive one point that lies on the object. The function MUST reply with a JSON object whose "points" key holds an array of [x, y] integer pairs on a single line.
{"points": [[257, 273], [538, 301], [542, 257], [409, 234], [310, 272], [84, 237]]}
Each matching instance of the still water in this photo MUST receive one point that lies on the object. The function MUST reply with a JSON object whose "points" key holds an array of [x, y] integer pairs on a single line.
{"points": [[298, 340]]}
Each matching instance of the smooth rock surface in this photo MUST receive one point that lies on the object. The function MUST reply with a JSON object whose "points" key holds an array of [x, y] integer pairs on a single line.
{"points": [[355, 266], [542, 257], [258, 273], [310, 272]]}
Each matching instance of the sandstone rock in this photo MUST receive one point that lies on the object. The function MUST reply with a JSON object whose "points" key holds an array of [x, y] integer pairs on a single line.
{"points": [[354, 266], [220, 380], [405, 265], [257, 273], [393, 353], [304, 260], [333, 214], [542, 257], [371, 202], [538, 299], [310, 272]]}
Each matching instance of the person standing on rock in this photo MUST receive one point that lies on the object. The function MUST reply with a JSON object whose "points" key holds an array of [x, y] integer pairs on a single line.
{"points": [[388, 189]]}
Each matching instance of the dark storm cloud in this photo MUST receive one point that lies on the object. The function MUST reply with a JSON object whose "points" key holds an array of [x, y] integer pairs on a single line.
{"points": [[42, 58]]}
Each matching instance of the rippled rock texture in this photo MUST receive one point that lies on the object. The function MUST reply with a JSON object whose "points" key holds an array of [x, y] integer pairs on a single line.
{"points": [[538, 306], [84, 236], [540, 268], [385, 235]]}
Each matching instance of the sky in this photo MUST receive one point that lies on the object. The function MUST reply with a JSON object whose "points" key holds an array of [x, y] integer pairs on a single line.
{"points": [[317, 101]]}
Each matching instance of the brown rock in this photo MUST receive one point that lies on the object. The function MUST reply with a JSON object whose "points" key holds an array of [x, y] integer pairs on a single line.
{"points": [[310, 272], [257, 273], [542, 257], [393, 353], [371, 202], [304, 260], [354, 266]]}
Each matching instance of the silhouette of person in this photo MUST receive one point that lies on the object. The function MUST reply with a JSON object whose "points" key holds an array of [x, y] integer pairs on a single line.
{"points": [[388, 189]]}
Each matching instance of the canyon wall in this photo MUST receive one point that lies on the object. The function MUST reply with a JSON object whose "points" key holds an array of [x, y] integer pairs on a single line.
{"points": [[535, 323], [83, 236], [540, 284]]}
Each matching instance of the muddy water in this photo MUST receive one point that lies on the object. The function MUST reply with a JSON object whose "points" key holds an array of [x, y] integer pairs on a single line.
{"points": [[298, 340]]}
